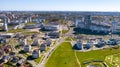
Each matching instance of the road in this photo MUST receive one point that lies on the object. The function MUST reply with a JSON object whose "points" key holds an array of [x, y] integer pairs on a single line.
{"points": [[48, 54]]}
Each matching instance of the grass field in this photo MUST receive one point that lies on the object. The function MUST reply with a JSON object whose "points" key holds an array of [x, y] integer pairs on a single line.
{"points": [[64, 31], [25, 32], [17, 30], [39, 60], [96, 54], [68, 39], [113, 59], [63, 56]]}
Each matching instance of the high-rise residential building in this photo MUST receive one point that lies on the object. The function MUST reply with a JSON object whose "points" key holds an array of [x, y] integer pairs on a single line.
{"points": [[114, 25], [87, 21], [5, 26]]}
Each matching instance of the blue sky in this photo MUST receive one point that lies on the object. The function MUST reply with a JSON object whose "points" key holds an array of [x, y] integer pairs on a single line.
{"points": [[61, 5]]}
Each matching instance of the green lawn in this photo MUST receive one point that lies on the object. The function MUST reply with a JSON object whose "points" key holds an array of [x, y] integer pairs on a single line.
{"points": [[64, 31], [39, 60], [96, 54], [30, 33], [47, 49], [113, 59], [26, 54], [9, 64], [16, 30], [63, 56], [68, 39]]}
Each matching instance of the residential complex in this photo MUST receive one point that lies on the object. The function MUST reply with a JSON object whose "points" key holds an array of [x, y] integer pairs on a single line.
{"points": [[32, 38]]}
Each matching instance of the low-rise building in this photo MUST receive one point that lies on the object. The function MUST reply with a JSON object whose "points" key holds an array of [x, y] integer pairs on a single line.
{"points": [[27, 48], [53, 34], [3, 40], [48, 42], [5, 58], [7, 48], [43, 47], [12, 54], [18, 35], [36, 42], [30, 27], [20, 62], [88, 45], [23, 42], [14, 59], [78, 46], [100, 43], [1, 52], [41, 20], [36, 53], [112, 42], [7, 35], [52, 26], [33, 36]]}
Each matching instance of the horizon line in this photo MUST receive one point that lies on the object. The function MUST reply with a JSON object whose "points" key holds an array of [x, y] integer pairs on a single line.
{"points": [[60, 10]]}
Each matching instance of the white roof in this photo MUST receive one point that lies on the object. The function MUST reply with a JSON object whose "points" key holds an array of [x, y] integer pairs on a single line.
{"points": [[8, 34]]}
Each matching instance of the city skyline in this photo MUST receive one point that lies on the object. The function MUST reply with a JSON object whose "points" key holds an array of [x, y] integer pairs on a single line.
{"points": [[60, 5]]}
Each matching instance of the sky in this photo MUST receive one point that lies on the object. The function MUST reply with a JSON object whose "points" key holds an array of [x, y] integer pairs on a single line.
{"points": [[60, 5]]}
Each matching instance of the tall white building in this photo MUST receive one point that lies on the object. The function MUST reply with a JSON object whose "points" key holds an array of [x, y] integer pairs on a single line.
{"points": [[87, 23], [5, 26], [114, 25], [77, 22]]}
